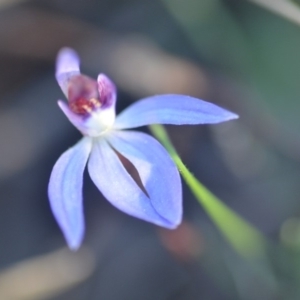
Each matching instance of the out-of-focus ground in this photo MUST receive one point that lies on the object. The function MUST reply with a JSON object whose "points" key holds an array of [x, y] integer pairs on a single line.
{"points": [[233, 53]]}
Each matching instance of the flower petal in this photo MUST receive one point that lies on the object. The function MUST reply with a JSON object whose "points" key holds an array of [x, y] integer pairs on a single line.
{"points": [[65, 191], [157, 171], [67, 65], [95, 124], [107, 92], [171, 109], [82, 87], [118, 187]]}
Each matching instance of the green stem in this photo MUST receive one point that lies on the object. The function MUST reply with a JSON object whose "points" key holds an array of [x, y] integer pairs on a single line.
{"points": [[243, 237]]}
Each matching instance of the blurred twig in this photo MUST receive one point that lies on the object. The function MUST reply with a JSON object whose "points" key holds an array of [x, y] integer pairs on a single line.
{"points": [[5, 3], [46, 275], [283, 8], [135, 62]]}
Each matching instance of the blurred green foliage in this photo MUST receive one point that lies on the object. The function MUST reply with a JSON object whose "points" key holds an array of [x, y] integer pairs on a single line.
{"points": [[250, 45]]}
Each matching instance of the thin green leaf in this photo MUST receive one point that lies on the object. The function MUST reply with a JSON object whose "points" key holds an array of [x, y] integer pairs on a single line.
{"points": [[246, 240]]}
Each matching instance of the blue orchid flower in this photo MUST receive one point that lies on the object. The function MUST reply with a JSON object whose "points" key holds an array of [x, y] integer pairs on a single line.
{"points": [[91, 109]]}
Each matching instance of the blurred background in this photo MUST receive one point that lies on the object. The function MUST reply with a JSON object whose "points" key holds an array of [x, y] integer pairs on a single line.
{"points": [[238, 54]]}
